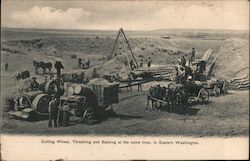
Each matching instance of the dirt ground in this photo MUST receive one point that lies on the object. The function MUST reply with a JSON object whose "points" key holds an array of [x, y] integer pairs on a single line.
{"points": [[222, 116]]}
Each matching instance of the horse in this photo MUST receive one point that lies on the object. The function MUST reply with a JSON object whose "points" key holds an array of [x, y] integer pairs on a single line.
{"points": [[156, 93], [22, 75]]}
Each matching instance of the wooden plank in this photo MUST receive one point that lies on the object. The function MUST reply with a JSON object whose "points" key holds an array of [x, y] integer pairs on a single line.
{"points": [[207, 55], [134, 84]]}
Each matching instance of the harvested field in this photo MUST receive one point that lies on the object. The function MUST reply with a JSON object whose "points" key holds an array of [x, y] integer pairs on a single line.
{"points": [[222, 116]]}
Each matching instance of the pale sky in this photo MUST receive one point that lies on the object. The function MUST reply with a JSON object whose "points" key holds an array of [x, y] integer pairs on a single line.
{"points": [[130, 15]]}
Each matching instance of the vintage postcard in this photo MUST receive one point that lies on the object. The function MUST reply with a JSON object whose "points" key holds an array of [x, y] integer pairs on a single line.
{"points": [[124, 80]]}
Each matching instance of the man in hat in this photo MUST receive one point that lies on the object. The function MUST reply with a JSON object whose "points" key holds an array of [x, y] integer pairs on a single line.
{"points": [[53, 111], [34, 85], [58, 65]]}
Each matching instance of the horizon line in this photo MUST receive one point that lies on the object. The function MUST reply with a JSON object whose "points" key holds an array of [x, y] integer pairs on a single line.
{"points": [[26, 28]]}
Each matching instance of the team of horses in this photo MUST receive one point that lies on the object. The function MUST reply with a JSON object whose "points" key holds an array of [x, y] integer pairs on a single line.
{"points": [[43, 66], [170, 99]]}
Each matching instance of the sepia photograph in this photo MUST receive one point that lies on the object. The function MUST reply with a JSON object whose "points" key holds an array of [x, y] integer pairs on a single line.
{"points": [[125, 68]]}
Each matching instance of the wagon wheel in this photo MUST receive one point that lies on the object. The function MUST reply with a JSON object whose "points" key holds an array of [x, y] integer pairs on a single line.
{"points": [[88, 115], [216, 90], [51, 87], [203, 95], [172, 86], [225, 87], [41, 104]]}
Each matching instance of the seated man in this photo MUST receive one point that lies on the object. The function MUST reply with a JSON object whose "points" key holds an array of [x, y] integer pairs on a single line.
{"points": [[34, 85]]}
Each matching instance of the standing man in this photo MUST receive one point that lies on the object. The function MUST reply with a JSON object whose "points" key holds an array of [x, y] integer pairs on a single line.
{"points": [[193, 54], [94, 74], [149, 62], [58, 65], [79, 62], [190, 59], [6, 66], [141, 62], [53, 111], [130, 78], [83, 64], [132, 65], [183, 61]]}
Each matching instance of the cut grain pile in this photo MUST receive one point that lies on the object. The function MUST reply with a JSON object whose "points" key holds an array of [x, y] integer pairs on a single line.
{"points": [[233, 62], [117, 65]]}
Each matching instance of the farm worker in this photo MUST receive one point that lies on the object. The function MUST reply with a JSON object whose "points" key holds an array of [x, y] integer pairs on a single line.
{"points": [[190, 59], [94, 74], [183, 61], [53, 111], [181, 74], [79, 62], [149, 62], [58, 65], [193, 54], [34, 85], [6, 66], [141, 62], [130, 78], [132, 65], [83, 63]]}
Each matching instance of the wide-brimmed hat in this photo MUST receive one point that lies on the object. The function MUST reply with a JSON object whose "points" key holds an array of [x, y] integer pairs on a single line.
{"points": [[33, 78]]}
